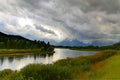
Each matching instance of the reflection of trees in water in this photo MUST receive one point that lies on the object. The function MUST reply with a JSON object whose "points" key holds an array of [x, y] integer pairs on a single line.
{"points": [[10, 59], [46, 59], [40, 56], [35, 56], [1, 60], [19, 57]]}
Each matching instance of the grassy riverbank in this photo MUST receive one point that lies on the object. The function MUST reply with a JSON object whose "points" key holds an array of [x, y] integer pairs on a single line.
{"points": [[98, 66], [22, 52], [108, 69]]}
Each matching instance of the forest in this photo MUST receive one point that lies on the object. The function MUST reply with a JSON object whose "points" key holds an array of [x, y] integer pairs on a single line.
{"points": [[17, 44]]}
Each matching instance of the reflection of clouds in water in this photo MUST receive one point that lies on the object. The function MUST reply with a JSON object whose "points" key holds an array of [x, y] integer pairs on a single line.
{"points": [[46, 59], [60, 54], [56, 57], [23, 62], [6, 64], [16, 63], [67, 53]]}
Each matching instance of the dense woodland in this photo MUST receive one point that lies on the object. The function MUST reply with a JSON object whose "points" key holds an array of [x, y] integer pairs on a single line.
{"points": [[18, 42]]}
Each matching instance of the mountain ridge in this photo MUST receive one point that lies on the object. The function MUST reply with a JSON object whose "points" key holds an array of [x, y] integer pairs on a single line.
{"points": [[14, 37], [74, 42]]}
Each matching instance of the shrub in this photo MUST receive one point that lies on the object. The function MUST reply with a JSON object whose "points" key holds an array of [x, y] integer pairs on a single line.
{"points": [[5, 72]]}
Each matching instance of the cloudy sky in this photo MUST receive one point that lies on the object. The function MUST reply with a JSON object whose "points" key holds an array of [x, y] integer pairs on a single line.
{"points": [[89, 21]]}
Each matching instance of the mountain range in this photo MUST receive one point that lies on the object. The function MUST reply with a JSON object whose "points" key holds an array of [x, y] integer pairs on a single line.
{"points": [[74, 42]]}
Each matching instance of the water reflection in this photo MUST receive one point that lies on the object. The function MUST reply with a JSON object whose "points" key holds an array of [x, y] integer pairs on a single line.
{"points": [[16, 63]]}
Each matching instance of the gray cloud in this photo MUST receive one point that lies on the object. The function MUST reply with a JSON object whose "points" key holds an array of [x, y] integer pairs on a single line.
{"points": [[110, 6], [89, 21], [44, 30]]}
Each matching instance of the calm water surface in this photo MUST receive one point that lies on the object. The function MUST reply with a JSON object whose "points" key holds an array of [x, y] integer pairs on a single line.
{"points": [[16, 63]]}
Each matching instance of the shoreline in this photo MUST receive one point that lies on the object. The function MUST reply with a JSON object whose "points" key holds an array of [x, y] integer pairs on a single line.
{"points": [[23, 52]]}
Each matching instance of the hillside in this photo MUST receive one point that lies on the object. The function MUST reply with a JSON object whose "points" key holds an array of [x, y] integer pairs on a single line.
{"points": [[115, 46], [19, 42], [14, 37]]}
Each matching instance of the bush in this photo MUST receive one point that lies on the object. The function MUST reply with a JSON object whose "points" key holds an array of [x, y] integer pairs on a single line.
{"points": [[4, 75], [5, 72]]}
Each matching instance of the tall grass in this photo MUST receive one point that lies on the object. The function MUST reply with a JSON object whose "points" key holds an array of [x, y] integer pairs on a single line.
{"points": [[39, 72], [46, 72], [83, 64]]}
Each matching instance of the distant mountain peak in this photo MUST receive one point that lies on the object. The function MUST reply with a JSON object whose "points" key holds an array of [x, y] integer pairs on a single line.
{"points": [[74, 42]]}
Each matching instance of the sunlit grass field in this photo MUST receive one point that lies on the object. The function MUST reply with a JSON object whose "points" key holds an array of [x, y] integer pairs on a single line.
{"points": [[108, 69]]}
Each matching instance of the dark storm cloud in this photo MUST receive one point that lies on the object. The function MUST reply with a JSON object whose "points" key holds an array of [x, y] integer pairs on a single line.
{"points": [[44, 30], [85, 20], [110, 6]]}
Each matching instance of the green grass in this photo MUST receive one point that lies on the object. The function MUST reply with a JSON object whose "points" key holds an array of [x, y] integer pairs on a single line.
{"points": [[82, 65], [106, 69], [22, 52], [112, 69], [101, 66], [109, 71]]}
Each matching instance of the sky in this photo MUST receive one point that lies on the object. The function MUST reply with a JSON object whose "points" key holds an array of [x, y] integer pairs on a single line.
{"points": [[88, 21]]}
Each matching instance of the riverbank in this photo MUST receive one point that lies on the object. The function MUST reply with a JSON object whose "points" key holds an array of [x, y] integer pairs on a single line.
{"points": [[22, 52], [79, 68]]}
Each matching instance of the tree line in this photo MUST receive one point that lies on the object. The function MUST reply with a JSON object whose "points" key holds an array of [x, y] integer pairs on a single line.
{"points": [[7, 43], [91, 47]]}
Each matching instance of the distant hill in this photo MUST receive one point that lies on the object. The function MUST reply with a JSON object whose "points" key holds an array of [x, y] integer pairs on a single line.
{"points": [[114, 46], [19, 42], [14, 37]]}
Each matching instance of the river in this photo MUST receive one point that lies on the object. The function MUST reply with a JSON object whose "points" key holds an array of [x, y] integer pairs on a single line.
{"points": [[16, 63]]}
